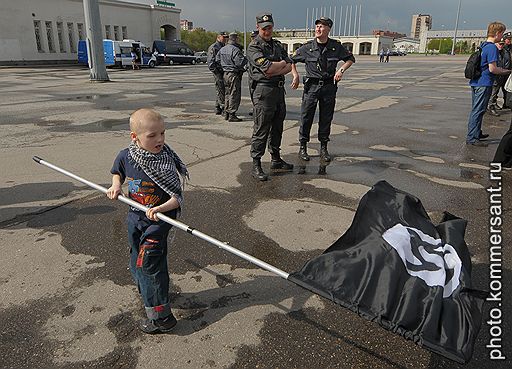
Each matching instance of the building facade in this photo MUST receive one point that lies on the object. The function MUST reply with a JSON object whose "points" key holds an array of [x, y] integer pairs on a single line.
{"points": [[473, 37], [186, 25], [49, 30], [420, 23]]}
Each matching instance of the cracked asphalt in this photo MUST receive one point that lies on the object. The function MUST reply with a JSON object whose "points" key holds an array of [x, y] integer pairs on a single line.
{"points": [[67, 299]]}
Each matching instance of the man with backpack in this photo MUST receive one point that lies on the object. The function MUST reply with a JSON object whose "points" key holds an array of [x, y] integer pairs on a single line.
{"points": [[481, 86]]}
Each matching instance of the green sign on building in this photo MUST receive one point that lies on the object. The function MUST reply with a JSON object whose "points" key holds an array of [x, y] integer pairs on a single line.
{"points": [[165, 3]]}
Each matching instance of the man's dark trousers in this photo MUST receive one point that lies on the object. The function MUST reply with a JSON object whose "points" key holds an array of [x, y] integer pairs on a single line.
{"points": [[269, 115], [325, 96]]}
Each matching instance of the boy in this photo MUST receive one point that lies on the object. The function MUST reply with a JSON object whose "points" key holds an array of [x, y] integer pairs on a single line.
{"points": [[153, 172]]}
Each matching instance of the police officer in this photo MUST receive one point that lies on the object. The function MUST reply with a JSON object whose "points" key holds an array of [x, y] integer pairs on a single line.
{"points": [[232, 59], [216, 69], [268, 62], [321, 56]]}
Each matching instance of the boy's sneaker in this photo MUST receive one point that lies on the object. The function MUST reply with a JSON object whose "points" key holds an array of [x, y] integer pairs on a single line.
{"points": [[155, 326]]}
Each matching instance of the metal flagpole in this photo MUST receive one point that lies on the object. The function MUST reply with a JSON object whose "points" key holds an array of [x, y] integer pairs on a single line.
{"points": [[341, 20], [456, 26], [245, 33], [307, 21], [171, 221], [359, 24], [350, 21]]}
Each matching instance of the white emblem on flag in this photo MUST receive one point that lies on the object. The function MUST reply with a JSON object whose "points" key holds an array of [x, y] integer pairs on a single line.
{"points": [[432, 260]]}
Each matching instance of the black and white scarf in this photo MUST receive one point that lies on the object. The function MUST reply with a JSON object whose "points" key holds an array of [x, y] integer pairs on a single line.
{"points": [[164, 168]]}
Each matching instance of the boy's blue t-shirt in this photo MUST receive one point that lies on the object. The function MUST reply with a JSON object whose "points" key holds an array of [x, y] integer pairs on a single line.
{"points": [[490, 54], [141, 188]]}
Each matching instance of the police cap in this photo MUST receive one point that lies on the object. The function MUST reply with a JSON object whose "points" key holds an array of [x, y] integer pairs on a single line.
{"points": [[224, 34], [264, 20], [233, 36], [507, 35], [325, 21]]}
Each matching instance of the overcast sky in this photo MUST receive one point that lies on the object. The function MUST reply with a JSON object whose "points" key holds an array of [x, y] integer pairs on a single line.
{"points": [[219, 15]]}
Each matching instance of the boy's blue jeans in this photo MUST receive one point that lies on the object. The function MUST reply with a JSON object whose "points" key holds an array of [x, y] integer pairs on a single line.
{"points": [[479, 99], [148, 263]]}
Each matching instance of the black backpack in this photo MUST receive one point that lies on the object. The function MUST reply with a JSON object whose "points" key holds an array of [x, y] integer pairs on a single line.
{"points": [[473, 69]]}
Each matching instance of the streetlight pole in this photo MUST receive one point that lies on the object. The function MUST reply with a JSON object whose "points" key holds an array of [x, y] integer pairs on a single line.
{"points": [[245, 32], [456, 26], [96, 57], [441, 39]]}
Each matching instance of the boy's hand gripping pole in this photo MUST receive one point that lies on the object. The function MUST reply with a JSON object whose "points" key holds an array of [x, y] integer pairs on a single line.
{"points": [[171, 221]]}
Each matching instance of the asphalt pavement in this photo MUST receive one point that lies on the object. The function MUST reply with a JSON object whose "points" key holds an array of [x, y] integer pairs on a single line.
{"points": [[67, 298]]}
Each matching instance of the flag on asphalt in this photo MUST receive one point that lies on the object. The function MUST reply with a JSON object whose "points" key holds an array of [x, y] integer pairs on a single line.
{"points": [[395, 267]]}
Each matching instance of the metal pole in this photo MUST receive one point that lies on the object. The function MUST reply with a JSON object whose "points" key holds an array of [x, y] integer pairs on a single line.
{"points": [[245, 32], [345, 26], [312, 21], [334, 20], [456, 26], [171, 221], [95, 53], [307, 20], [350, 21], [341, 20], [359, 26], [355, 20]]}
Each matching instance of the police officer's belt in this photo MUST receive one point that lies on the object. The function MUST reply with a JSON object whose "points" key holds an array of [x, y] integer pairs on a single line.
{"points": [[266, 82], [320, 81]]}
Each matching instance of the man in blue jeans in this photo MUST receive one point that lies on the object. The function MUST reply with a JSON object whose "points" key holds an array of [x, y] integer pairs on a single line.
{"points": [[481, 87]]}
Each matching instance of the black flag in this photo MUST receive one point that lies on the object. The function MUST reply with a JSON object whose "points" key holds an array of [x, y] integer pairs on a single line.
{"points": [[395, 267]]}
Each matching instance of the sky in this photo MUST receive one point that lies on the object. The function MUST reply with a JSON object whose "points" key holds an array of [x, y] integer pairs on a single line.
{"points": [[395, 15]]}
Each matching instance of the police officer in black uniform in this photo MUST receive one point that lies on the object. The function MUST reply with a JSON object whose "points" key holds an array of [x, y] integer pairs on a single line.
{"points": [[268, 63], [216, 69], [321, 56]]}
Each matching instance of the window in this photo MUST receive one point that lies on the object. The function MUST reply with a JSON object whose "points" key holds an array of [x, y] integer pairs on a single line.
{"points": [[60, 37], [71, 36], [125, 32], [116, 33], [49, 36], [37, 31], [80, 28], [108, 32]]}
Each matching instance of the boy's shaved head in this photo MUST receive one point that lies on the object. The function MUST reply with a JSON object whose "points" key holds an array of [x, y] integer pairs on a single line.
{"points": [[140, 117]]}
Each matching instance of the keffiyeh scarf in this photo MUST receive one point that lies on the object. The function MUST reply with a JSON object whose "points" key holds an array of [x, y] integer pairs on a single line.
{"points": [[163, 168]]}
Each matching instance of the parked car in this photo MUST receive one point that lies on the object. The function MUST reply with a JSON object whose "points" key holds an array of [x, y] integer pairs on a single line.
{"points": [[173, 52], [201, 56]]}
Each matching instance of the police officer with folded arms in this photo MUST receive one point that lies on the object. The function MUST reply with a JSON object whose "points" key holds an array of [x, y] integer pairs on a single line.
{"points": [[268, 62], [232, 59], [216, 69], [321, 56]]}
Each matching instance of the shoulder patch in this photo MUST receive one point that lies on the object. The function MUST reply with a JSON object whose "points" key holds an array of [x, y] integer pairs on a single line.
{"points": [[260, 61]]}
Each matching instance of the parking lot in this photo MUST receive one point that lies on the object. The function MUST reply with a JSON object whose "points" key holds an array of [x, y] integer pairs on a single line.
{"points": [[67, 297]]}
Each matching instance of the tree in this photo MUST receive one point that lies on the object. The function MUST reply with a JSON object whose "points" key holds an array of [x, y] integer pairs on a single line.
{"points": [[198, 39], [443, 45]]}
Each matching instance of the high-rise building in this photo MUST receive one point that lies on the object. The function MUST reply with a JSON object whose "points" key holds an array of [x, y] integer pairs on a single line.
{"points": [[186, 25], [420, 23]]}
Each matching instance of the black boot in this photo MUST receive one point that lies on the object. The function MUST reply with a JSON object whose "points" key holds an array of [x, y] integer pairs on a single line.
{"points": [[234, 118], [324, 154], [218, 110], [279, 164], [303, 151], [226, 116], [257, 172]]}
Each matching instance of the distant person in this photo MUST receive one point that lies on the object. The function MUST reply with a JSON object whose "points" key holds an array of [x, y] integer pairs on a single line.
{"points": [[154, 173], [481, 87], [233, 61], [499, 81], [381, 55], [321, 57], [135, 64], [387, 56], [216, 69]]}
